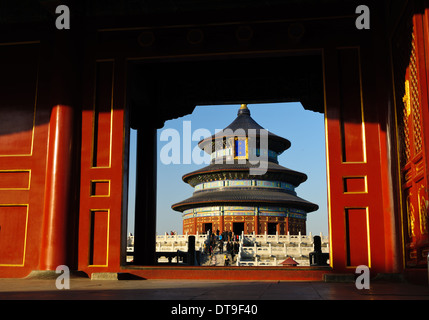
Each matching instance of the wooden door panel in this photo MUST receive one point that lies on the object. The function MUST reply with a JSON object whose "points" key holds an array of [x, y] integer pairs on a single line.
{"points": [[356, 217], [413, 153]]}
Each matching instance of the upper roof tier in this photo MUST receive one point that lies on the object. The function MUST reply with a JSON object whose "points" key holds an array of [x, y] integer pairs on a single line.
{"points": [[243, 123], [223, 171]]}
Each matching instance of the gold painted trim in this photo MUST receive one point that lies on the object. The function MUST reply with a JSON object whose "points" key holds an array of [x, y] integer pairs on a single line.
{"points": [[103, 195], [226, 53], [25, 237], [19, 43], [36, 93], [18, 170], [328, 176], [398, 155], [107, 240], [367, 235], [111, 113], [423, 213], [213, 24], [361, 108], [94, 93], [356, 192], [246, 146]]}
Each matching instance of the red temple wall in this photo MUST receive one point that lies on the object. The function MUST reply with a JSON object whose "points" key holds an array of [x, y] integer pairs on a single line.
{"points": [[23, 136]]}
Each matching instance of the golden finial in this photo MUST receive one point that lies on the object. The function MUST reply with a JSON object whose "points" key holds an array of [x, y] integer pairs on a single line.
{"points": [[243, 110]]}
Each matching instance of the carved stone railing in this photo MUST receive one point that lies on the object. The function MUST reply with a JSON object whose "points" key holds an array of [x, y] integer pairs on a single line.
{"points": [[271, 250], [255, 250]]}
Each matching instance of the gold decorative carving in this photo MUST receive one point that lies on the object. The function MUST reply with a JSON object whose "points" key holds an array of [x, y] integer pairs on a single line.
{"points": [[423, 213], [410, 217], [406, 98]]}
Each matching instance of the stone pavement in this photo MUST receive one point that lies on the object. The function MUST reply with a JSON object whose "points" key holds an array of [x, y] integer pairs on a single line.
{"points": [[86, 289]]}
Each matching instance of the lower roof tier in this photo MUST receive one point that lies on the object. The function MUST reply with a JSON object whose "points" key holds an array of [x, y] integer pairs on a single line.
{"points": [[245, 197]]}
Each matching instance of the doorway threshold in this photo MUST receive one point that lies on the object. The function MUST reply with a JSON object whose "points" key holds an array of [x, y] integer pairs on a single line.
{"points": [[313, 273]]}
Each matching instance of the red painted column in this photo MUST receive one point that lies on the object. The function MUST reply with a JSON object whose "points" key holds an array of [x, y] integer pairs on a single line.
{"points": [[58, 191], [255, 221]]}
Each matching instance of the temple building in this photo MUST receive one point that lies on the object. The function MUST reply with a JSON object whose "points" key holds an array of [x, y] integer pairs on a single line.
{"points": [[231, 194]]}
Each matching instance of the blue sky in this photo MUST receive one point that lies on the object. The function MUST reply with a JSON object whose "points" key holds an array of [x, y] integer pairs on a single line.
{"points": [[304, 129]]}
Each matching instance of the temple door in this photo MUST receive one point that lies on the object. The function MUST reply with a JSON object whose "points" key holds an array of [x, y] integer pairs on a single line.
{"points": [[413, 154], [24, 123], [356, 161], [101, 218]]}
